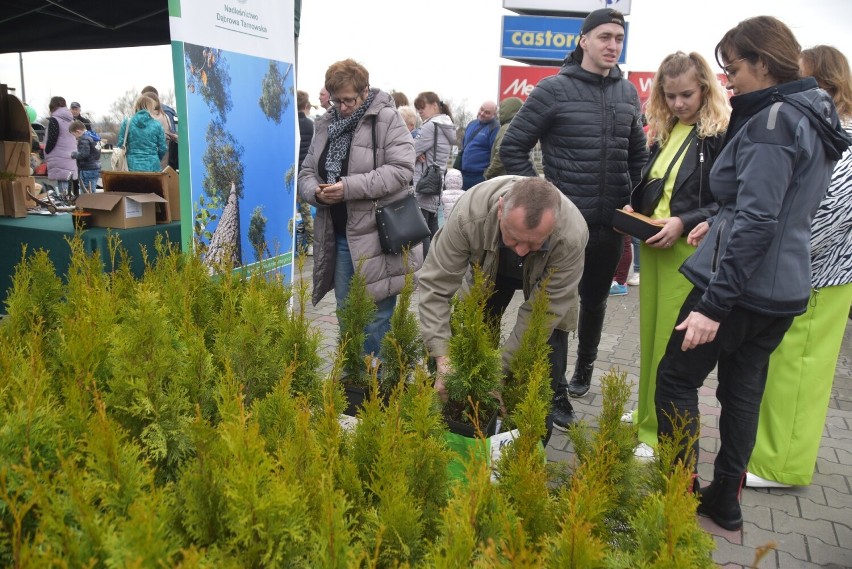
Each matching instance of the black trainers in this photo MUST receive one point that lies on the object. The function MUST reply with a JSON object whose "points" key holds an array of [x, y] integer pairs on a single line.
{"points": [[581, 380], [562, 413]]}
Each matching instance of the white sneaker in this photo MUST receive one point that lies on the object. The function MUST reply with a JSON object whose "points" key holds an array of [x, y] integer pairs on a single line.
{"points": [[627, 417], [633, 280], [755, 481], [644, 453]]}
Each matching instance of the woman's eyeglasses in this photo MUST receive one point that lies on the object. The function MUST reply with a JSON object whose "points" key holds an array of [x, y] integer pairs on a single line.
{"points": [[344, 102], [727, 68]]}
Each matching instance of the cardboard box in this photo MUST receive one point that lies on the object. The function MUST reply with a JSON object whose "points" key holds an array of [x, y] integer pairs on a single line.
{"points": [[14, 124], [28, 184], [121, 210], [16, 157], [14, 203], [165, 184]]}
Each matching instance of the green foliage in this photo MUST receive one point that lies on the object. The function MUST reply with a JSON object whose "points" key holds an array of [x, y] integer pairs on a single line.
{"points": [[273, 99], [476, 365], [357, 312], [205, 213], [223, 163], [533, 350], [402, 346], [189, 427], [208, 74], [257, 233]]}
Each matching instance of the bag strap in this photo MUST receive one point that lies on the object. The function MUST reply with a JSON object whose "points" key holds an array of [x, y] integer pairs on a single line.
{"points": [[435, 143], [679, 152], [126, 132], [472, 136], [375, 143]]}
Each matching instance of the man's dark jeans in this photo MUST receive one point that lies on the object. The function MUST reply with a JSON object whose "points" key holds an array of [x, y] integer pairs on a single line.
{"points": [[504, 290], [431, 218], [742, 347], [603, 251]]}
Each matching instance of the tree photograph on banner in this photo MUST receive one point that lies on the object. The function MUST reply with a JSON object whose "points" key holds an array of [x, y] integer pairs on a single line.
{"points": [[240, 184]]}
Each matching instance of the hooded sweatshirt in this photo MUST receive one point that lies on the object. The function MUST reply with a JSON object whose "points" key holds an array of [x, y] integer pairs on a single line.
{"points": [[508, 109], [146, 142]]}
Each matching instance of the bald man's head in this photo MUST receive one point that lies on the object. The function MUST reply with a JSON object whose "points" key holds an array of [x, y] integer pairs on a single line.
{"points": [[487, 111]]}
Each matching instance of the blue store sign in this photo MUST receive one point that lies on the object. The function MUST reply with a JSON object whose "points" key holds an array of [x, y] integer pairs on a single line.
{"points": [[543, 38]]}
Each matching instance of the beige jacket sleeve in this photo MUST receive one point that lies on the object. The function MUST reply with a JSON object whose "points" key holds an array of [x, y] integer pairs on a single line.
{"points": [[441, 277]]}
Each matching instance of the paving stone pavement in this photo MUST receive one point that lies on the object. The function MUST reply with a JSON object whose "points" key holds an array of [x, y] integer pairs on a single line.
{"points": [[809, 526]]}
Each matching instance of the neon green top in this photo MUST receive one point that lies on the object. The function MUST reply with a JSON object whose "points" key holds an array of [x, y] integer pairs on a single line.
{"points": [[661, 164]]}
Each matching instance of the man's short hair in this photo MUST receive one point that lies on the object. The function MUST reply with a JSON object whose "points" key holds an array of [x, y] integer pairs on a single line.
{"points": [[536, 195], [302, 100]]}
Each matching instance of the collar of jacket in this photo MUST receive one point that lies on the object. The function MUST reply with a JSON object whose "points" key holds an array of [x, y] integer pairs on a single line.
{"points": [[573, 69], [743, 107]]}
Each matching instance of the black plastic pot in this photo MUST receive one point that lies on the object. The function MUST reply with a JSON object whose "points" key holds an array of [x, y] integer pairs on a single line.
{"points": [[467, 430]]}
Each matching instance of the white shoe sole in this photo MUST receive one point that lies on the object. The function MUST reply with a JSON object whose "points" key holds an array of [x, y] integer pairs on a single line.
{"points": [[644, 453], [755, 481]]}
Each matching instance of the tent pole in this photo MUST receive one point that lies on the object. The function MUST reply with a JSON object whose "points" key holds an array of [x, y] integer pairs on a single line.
{"points": [[23, 89]]}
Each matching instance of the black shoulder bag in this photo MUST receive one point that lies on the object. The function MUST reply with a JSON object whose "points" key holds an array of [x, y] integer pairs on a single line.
{"points": [[432, 181], [400, 224], [647, 193]]}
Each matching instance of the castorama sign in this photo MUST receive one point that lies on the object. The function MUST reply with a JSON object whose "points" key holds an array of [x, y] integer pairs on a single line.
{"points": [[544, 38]]}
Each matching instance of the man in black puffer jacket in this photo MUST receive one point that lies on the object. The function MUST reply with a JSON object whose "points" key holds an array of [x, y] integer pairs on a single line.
{"points": [[588, 120]]}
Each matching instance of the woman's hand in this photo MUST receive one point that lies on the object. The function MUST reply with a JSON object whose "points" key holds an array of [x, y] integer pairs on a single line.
{"points": [[697, 234], [671, 232], [330, 195], [627, 208], [421, 158]]}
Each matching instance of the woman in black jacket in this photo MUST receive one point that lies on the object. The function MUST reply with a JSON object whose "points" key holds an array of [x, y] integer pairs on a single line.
{"points": [[687, 116]]}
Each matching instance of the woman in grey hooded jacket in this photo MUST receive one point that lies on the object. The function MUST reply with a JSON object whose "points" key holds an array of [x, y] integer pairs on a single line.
{"points": [[437, 122]]}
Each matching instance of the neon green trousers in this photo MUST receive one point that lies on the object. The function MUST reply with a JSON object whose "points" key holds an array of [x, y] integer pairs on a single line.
{"points": [[798, 388], [662, 291]]}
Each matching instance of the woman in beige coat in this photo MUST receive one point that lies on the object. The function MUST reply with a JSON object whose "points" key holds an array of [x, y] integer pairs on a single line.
{"points": [[339, 178]]}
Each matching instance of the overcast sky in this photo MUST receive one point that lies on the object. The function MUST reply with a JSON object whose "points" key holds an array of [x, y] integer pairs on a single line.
{"points": [[451, 47]]}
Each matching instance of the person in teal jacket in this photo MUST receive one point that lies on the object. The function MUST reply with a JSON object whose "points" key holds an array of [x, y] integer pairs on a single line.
{"points": [[146, 141]]}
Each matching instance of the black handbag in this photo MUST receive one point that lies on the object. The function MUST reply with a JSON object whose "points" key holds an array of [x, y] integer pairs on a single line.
{"points": [[647, 193], [400, 224], [432, 181]]}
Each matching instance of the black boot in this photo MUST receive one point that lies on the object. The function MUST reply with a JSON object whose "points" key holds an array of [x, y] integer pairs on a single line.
{"points": [[581, 380], [721, 502], [562, 412]]}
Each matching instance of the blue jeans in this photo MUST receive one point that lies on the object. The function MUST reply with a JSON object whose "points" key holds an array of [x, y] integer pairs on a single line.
{"points": [[343, 271], [89, 179]]}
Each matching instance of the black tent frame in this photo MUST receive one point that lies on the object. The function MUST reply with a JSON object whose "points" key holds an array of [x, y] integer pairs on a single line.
{"points": [[51, 25]]}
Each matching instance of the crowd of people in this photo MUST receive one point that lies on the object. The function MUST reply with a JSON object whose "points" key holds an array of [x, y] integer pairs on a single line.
{"points": [[69, 150], [747, 267]]}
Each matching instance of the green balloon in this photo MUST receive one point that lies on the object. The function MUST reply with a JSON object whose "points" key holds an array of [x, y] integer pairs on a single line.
{"points": [[32, 114]]}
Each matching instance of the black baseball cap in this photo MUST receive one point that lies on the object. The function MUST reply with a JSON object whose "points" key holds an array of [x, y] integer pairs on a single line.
{"points": [[601, 17]]}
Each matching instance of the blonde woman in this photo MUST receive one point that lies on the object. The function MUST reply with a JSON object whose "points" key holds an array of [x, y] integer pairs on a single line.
{"points": [[146, 140], [687, 116]]}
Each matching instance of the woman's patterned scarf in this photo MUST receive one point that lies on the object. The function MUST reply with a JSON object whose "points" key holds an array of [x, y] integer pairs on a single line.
{"points": [[340, 138]]}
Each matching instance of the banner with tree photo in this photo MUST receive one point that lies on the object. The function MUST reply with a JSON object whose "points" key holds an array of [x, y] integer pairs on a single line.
{"points": [[235, 90]]}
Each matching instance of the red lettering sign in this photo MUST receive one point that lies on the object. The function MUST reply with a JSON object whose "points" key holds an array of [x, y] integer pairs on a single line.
{"points": [[519, 81]]}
